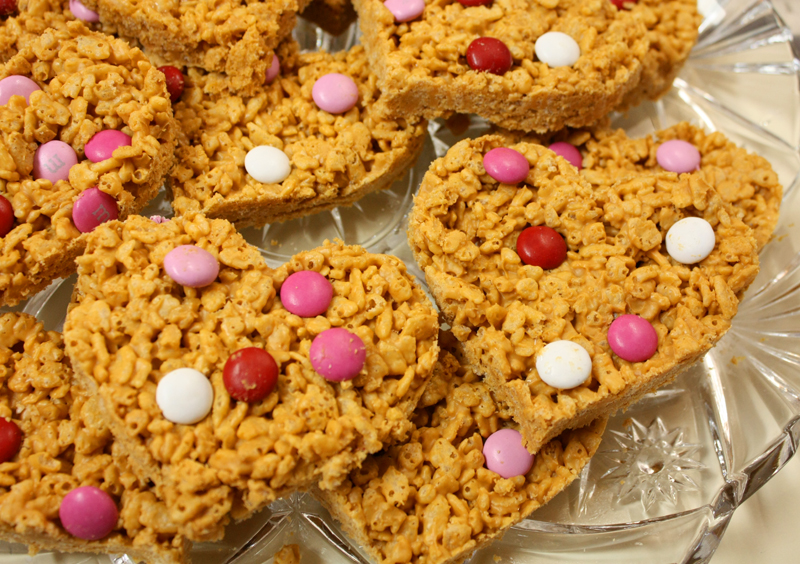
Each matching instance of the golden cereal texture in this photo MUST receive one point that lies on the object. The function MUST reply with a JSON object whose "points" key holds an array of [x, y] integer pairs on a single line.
{"points": [[132, 324], [65, 445], [288, 554], [90, 82], [463, 231], [422, 66], [430, 499], [235, 37], [333, 16], [335, 159]]}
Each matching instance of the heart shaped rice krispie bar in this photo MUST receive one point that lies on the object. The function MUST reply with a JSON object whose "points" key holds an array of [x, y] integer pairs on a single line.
{"points": [[65, 446], [334, 160], [432, 499], [464, 231], [132, 325], [88, 82], [422, 63]]}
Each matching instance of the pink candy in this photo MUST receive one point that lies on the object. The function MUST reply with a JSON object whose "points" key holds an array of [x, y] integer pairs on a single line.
{"points": [[335, 93], [337, 354], [82, 12], [273, 71], [92, 208], [405, 10], [506, 165], [17, 85], [191, 266], [159, 219], [103, 143], [678, 156], [53, 160], [569, 151], [506, 455], [88, 513], [632, 338], [306, 293]]}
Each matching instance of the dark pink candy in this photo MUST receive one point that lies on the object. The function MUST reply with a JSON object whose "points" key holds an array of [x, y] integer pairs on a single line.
{"points": [[103, 143], [88, 513], [306, 293], [92, 208], [569, 151], [506, 165], [632, 338], [337, 354]]}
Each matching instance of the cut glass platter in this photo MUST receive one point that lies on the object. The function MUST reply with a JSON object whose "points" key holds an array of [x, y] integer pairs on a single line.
{"points": [[673, 468]]}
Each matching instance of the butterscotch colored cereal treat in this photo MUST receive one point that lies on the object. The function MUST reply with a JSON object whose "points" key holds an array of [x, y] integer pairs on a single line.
{"points": [[574, 300], [232, 148], [288, 554], [595, 54], [187, 309], [333, 16], [81, 96], [433, 498], [65, 450]]}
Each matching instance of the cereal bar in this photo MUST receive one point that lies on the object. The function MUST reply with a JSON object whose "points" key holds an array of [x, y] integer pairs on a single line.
{"points": [[331, 160], [432, 499], [531, 274], [83, 86], [64, 447], [137, 323]]}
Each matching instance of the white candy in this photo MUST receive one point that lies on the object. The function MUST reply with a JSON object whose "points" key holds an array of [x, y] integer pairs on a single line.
{"points": [[557, 49], [690, 240], [185, 396], [268, 165], [564, 364]]}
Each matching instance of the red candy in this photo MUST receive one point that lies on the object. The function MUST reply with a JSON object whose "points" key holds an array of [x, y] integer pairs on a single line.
{"points": [[620, 3], [6, 216], [471, 3], [174, 82], [250, 374], [8, 7], [541, 246], [489, 55], [10, 439]]}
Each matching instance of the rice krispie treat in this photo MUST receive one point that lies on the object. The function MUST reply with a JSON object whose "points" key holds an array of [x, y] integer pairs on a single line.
{"points": [[88, 135], [57, 459], [573, 301], [523, 64], [294, 149], [333, 16], [227, 396], [440, 495]]}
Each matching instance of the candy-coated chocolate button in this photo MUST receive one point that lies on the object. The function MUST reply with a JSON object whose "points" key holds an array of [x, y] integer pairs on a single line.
{"points": [[569, 151], [82, 12], [621, 3], [506, 165], [678, 156], [557, 49], [337, 354], [266, 164], [159, 219], [185, 396], [690, 240], [191, 266], [306, 293], [405, 10], [88, 513], [53, 160], [92, 208], [541, 246], [335, 93], [471, 3], [174, 79], [6, 216], [274, 70], [103, 143], [505, 454], [16, 85], [10, 439], [8, 8], [488, 54], [563, 364], [632, 338], [250, 374]]}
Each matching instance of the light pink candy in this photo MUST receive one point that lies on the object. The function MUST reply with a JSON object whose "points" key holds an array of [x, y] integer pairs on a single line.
{"points": [[569, 151], [82, 12], [337, 354], [191, 266], [632, 338], [306, 293], [92, 208], [505, 454], [335, 93], [678, 156], [88, 513], [405, 10], [16, 85], [506, 165], [159, 219], [274, 70], [103, 143], [53, 160]]}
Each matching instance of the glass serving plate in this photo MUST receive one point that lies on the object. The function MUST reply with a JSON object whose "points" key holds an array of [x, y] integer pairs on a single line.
{"points": [[674, 467]]}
